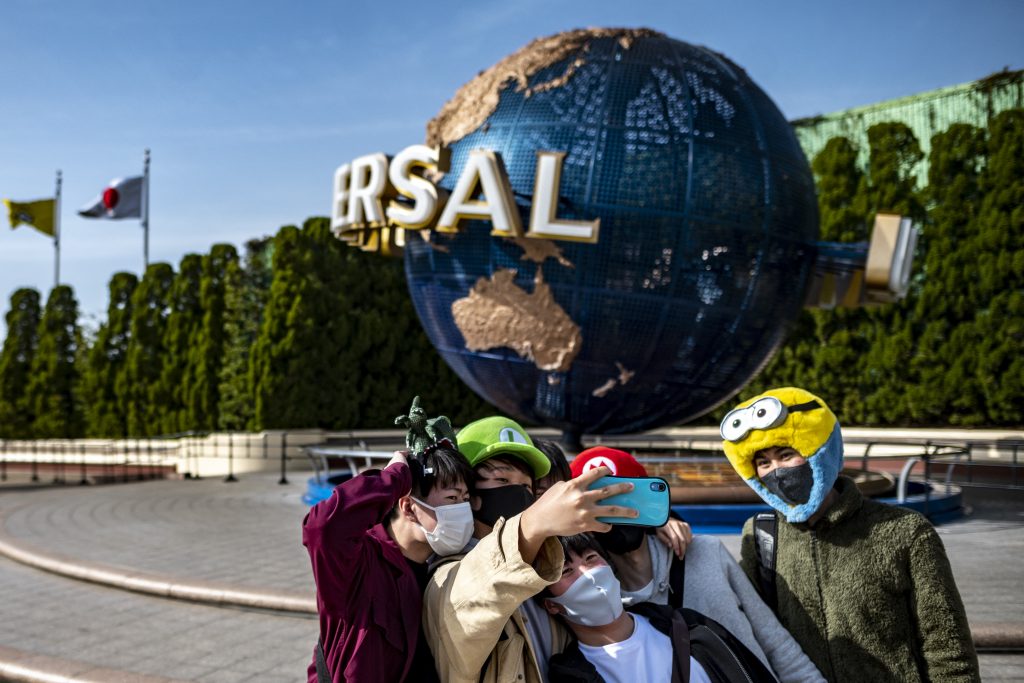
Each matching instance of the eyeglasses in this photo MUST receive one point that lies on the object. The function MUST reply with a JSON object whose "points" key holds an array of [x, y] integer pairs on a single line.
{"points": [[765, 413]]}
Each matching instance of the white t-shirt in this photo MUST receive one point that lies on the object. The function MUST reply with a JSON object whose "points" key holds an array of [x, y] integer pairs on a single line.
{"points": [[644, 656]]}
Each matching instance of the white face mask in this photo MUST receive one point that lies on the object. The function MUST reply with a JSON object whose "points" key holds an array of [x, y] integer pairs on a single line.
{"points": [[594, 599], [454, 527]]}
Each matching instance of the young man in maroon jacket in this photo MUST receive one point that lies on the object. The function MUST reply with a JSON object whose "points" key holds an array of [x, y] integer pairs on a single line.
{"points": [[369, 543]]}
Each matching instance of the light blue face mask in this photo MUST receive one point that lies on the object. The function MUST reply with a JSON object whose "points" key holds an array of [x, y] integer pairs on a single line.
{"points": [[454, 527]]}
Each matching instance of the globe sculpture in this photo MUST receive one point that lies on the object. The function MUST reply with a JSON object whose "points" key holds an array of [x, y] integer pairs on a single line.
{"points": [[708, 227]]}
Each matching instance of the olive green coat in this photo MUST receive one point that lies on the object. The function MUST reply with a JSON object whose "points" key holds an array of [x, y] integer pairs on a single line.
{"points": [[869, 594]]}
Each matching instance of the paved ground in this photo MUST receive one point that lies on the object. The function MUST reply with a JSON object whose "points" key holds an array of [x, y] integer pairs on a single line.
{"points": [[247, 534]]}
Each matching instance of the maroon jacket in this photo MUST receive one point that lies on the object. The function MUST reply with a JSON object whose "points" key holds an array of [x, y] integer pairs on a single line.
{"points": [[367, 595]]}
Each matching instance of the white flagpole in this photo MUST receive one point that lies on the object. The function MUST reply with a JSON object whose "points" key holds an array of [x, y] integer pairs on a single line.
{"points": [[56, 233], [145, 213]]}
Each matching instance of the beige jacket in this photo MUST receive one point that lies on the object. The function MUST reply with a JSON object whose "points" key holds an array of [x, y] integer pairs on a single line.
{"points": [[470, 609]]}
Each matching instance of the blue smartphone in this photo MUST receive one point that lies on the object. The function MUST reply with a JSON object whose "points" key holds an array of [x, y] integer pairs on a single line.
{"points": [[650, 495]]}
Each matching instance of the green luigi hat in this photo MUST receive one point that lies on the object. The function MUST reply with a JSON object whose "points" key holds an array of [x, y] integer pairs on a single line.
{"points": [[491, 436]]}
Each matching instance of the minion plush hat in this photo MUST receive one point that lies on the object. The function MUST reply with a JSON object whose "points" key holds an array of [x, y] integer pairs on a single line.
{"points": [[785, 417]]}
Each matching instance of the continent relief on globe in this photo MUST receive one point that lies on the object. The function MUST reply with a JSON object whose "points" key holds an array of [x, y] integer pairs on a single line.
{"points": [[498, 313], [475, 101]]}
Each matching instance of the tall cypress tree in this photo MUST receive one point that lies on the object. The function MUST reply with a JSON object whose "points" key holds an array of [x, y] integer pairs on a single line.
{"points": [[177, 376], [292, 348], [842, 192], [52, 387], [825, 348], [206, 353], [19, 350], [103, 377], [144, 404], [999, 271], [946, 267], [894, 155], [245, 297]]}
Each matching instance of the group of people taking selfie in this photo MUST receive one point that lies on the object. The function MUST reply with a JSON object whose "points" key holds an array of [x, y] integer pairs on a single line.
{"points": [[485, 556]]}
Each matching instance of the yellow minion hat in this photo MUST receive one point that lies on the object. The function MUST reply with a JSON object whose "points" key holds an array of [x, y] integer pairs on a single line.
{"points": [[785, 417]]}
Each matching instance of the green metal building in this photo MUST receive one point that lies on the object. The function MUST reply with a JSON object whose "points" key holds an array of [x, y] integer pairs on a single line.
{"points": [[926, 114]]}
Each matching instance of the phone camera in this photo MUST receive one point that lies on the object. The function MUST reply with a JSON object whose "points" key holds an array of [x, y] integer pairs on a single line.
{"points": [[658, 486]]}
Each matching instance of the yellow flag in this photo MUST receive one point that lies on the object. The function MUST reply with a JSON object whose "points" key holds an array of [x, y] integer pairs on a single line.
{"points": [[37, 214]]}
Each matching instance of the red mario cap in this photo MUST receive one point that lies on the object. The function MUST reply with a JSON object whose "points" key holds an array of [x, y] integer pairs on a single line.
{"points": [[621, 464]]}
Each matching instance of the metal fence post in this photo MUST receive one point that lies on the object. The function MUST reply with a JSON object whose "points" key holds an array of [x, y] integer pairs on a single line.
{"points": [[54, 451], [82, 480], [231, 460], [35, 462], [284, 457], [194, 448]]}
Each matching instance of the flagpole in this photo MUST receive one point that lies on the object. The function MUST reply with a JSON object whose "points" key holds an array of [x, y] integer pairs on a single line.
{"points": [[145, 213], [56, 234]]}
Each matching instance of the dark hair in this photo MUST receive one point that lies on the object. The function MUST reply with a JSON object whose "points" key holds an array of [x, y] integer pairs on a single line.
{"points": [[449, 468], [559, 465], [511, 461], [578, 544]]}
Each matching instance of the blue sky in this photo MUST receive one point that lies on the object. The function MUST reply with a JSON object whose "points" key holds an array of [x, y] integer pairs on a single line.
{"points": [[249, 107]]}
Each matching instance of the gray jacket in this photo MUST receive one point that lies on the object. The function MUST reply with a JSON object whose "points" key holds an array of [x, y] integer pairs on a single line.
{"points": [[716, 587]]}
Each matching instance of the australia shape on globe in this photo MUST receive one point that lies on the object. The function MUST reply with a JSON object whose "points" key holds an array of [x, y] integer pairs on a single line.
{"points": [[499, 313]]}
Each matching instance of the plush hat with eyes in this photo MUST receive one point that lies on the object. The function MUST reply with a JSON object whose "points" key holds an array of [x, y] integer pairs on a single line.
{"points": [[785, 417]]}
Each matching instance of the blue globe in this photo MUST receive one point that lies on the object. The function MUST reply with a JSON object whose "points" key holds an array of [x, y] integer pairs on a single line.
{"points": [[707, 239]]}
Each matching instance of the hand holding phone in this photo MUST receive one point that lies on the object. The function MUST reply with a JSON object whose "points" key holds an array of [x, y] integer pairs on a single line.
{"points": [[650, 497]]}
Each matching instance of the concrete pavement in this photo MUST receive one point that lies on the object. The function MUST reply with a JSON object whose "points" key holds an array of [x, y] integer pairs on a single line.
{"points": [[246, 537]]}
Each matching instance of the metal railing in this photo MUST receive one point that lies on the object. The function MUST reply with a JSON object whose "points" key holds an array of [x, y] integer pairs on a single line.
{"points": [[965, 463], [64, 459]]}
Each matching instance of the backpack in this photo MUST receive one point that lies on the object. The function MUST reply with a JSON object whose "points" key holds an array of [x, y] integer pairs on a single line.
{"points": [[724, 658], [766, 547]]}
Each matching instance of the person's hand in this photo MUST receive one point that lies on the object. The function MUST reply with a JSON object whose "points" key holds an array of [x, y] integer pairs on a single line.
{"points": [[568, 508], [676, 534], [399, 456]]}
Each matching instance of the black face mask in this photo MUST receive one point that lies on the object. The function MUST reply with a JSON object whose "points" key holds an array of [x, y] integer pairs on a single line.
{"points": [[504, 501], [621, 539], [791, 484]]}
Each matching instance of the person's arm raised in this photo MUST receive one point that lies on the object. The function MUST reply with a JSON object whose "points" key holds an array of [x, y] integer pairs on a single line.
{"points": [[357, 505], [568, 508]]}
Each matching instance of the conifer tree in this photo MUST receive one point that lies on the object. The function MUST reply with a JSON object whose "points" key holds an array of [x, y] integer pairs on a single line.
{"points": [[825, 348], [103, 377], [52, 386], [245, 296], [998, 334], [293, 348], [144, 404], [183, 320], [16, 359], [894, 155], [842, 193], [206, 352], [946, 268]]}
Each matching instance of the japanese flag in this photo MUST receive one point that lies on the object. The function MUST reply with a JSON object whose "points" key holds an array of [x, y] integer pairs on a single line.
{"points": [[121, 199]]}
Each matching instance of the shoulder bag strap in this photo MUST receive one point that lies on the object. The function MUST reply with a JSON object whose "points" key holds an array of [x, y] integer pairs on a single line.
{"points": [[766, 543], [676, 581], [323, 675]]}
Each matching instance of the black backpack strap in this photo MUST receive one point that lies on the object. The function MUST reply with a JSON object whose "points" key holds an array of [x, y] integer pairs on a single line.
{"points": [[323, 675], [676, 581], [766, 544], [722, 655], [680, 637]]}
